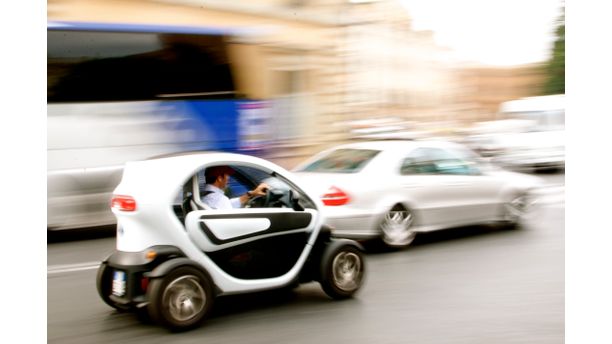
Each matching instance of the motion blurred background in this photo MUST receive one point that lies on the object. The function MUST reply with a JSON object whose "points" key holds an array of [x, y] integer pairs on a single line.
{"points": [[284, 80], [299, 76]]}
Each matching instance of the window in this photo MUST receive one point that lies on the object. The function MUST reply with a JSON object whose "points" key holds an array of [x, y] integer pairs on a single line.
{"points": [[436, 161], [342, 161], [282, 193], [125, 66], [418, 162], [245, 179]]}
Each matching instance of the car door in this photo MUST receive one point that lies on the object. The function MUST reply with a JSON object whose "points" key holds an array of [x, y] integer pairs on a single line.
{"points": [[471, 193], [482, 190], [440, 185], [257, 242], [435, 195]]}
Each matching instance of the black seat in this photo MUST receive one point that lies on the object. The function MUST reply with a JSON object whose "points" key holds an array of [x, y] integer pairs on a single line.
{"points": [[191, 197], [187, 199]]}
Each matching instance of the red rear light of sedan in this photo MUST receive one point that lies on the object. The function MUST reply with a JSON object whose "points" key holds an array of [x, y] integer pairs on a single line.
{"points": [[123, 203], [334, 196]]}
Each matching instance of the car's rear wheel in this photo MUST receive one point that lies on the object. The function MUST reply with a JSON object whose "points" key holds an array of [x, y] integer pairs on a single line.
{"points": [[396, 227], [342, 271], [181, 299], [104, 285]]}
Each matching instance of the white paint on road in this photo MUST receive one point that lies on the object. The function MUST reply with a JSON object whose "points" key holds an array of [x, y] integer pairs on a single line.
{"points": [[58, 269]]}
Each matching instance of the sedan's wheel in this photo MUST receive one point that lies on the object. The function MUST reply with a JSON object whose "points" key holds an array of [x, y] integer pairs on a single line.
{"points": [[516, 209], [342, 272], [396, 227], [181, 299]]}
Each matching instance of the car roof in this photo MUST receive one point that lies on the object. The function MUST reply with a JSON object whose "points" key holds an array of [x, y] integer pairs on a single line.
{"points": [[389, 149], [377, 145], [386, 145], [157, 179]]}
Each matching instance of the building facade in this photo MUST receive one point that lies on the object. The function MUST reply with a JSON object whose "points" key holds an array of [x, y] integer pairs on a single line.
{"points": [[323, 63]]}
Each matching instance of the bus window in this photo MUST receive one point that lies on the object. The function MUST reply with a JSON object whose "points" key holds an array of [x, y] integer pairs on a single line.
{"points": [[124, 66]]}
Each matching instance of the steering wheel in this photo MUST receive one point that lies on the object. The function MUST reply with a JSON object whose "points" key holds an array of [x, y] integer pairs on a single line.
{"points": [[259, 201]]}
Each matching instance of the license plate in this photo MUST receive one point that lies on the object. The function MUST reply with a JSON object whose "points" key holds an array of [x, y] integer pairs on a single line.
{"points": [[119, 283]]}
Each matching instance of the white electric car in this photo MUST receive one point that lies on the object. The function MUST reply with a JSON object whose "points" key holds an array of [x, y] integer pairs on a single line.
{"points": [[175, 255]]}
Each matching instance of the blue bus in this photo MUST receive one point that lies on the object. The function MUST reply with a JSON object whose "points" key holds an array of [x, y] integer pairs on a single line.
{"points": [[121, 92]]}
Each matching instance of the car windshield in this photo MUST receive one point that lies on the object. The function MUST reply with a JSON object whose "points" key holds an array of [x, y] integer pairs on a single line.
{"points": [[342, 161]]}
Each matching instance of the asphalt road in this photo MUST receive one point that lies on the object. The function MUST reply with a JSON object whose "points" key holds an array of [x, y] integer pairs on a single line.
{"points": [[467, 285]]}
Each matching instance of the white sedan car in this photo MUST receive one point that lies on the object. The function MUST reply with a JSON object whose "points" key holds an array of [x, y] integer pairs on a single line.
{"points": [[395, 189]]}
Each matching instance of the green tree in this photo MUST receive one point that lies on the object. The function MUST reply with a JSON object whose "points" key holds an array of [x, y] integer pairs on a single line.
{"points": [[555, 68]]}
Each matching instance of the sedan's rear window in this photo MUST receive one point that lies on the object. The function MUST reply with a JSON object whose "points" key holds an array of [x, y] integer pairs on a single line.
{"points": [[342, 161]]}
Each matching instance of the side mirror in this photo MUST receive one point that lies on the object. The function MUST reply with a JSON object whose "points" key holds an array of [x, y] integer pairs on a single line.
{"points": [[294, 199]]}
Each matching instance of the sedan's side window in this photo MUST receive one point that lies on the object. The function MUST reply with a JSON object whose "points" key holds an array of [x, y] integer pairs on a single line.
{"points": [[408, 166], [452, 166], [435, 161], [448, 163], [418, 162]]}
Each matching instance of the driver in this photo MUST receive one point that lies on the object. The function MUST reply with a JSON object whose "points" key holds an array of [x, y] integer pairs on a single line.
{"points": [[216, 181]]}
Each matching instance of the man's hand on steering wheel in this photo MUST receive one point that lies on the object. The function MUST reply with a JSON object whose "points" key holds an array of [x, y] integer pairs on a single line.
{"points": [[260, 191]]}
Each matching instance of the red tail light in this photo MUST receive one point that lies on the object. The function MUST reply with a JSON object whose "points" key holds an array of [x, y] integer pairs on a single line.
{"points": [[123, 203], [335, 196]]}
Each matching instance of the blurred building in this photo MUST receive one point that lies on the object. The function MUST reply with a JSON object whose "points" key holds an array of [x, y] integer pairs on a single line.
{"points": [[324, 63], [393, 71], [281, 53], [485, 88]]}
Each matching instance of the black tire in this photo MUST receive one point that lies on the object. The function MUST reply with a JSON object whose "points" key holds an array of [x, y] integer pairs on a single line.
{"points": [[104, 285], [342, 270], [180, 300]]}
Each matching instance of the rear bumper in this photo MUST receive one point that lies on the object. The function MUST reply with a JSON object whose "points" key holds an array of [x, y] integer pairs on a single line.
{"points": [[133, 281], [135, 269]]}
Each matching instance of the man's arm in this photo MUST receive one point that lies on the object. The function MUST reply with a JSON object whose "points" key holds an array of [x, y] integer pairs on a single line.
{"points": [[260, 190]]}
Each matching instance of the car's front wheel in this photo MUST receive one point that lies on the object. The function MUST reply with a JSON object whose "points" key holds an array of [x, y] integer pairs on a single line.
{"points": [[396, 227], [516, 209], [342, 270], [181, 299]]}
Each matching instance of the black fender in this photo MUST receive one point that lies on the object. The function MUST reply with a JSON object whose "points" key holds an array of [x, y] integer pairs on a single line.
{"points": [[127, 259], [164, 268], [337, 242]]}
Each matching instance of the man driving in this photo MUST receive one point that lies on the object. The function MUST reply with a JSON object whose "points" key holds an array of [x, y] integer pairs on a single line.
{"points": [[217, 178]]}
